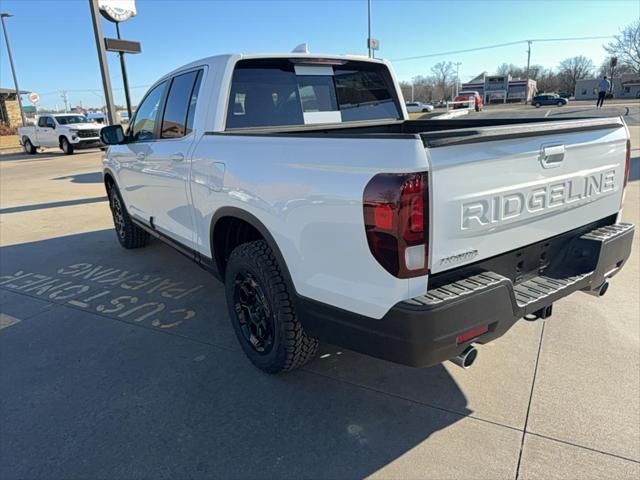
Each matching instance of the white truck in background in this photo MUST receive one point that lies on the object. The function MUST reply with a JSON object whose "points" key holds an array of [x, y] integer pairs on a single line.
{"points": [[68, 131], [300, 182]]}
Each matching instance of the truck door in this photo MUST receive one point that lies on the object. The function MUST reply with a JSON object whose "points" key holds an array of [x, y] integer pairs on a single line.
{"points": [[168, 160], [131, 156], [46, 132]]}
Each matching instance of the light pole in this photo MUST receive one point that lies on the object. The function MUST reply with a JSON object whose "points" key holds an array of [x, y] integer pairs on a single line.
{"points": [[369, 21], [458, 77], [13, 68]]}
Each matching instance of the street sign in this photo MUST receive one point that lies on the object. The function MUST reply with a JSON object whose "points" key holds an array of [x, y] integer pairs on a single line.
{"points": [[124, 46], [373, 44], [117, 10], [34, 97]]}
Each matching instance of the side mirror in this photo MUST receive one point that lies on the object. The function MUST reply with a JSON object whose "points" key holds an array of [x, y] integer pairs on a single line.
{"points": [[112, 135]]}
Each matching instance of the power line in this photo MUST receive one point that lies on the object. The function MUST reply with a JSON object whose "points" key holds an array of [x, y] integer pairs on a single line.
{"points": [[498, 45], [88, 90]]}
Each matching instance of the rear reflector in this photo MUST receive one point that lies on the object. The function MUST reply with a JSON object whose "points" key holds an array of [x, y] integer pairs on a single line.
{"points": [[627, 163], [476, 332], [627, 166]]}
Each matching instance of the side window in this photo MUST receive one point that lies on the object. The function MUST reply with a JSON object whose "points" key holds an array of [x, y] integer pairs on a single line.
{"points": [[51, 122], [174, 120], [42, 121], [144, 122]]}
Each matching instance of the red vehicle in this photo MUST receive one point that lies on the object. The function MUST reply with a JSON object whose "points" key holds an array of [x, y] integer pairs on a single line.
{"points": [[465, 95]]}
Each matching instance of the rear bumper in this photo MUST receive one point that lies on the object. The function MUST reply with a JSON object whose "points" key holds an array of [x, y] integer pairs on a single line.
{"points": [[422, 331]]}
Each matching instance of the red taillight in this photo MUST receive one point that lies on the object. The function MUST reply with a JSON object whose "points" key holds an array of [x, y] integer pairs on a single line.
{"points": [[395, 216], [471, 334]]}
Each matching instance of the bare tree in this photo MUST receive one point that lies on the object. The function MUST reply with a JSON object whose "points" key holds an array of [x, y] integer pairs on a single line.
{"points": [[443, 73], [626, 46], [547, 80], [611, 67], [573, 69]]}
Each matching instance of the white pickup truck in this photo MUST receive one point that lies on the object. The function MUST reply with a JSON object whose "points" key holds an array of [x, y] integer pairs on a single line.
{"points": [[68, 131], [300, 182]]}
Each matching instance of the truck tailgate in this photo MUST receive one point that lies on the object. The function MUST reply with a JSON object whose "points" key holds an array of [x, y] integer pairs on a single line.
{"points": [[496, 189]]}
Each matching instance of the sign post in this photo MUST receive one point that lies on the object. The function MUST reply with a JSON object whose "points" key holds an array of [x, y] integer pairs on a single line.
{"points": [[102, 59], [118, 11]]}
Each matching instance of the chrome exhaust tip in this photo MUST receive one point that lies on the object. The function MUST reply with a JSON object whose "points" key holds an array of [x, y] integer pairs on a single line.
{"points": [[599, 291], [466, 358]]}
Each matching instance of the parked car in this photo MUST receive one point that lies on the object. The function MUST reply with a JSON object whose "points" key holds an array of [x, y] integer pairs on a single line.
{"points": [[565, 95], [464, 96], [66, 131], [548, 99], [415, 107], [339, 219]]}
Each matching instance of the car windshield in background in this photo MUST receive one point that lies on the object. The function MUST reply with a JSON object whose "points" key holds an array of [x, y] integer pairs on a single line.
{"points": [[70, 119], [268, 93]]}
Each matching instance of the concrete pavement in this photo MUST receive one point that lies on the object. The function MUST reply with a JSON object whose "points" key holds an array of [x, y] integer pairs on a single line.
{"points": [[124, 364]]}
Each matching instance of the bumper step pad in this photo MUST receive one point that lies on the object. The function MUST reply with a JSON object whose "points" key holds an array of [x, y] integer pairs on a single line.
{"points": [[542, 290]]}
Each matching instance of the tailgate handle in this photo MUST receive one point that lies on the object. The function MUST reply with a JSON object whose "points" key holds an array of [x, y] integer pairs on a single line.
{"points": [[551, 156]]}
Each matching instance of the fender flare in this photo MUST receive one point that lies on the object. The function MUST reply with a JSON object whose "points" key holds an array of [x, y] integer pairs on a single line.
{"points": [[260, 227]]}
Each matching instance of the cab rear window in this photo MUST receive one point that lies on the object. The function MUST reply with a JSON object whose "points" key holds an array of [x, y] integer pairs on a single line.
{"points": [[271, 93]]}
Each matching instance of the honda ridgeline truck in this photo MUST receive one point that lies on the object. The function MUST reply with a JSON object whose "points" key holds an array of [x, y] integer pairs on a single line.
{"points": [[300, 182]]}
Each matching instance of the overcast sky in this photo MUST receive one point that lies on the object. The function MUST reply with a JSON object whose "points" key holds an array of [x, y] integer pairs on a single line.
{"points": [[54, 48]]}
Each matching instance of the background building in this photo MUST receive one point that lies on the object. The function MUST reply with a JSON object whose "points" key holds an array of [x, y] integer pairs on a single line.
{"points": [[625, 86], [9, 109], [501, 88]]}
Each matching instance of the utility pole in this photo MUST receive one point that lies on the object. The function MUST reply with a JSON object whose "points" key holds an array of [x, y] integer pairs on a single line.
{"points": [[369, 21], [412, 90], [102, 59], [457, 77], [65, 99], [13, 68], [526, 94]]}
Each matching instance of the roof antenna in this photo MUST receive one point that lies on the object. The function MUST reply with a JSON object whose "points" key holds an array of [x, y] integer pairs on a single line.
{"points": [[302, 48]]}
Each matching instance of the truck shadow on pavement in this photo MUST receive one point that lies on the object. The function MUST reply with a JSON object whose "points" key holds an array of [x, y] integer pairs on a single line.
{"points": [[92, 177], [124, 364]]}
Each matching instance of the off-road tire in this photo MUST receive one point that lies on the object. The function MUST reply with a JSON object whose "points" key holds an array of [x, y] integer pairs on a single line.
{"points": [[66, 147], [129, 234], [291, 346], [560, 104], [29, 147]]}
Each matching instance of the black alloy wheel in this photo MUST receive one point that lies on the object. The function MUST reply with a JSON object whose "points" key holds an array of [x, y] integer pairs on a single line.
{"points": [[253, 312]]}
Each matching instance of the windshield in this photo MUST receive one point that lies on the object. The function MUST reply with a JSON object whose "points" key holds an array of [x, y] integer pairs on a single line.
{"points": [[69, 119]]}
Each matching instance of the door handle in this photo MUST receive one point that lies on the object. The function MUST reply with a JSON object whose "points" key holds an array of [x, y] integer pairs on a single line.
{"points": [[140, 156], [176, 157], [551, 156]]}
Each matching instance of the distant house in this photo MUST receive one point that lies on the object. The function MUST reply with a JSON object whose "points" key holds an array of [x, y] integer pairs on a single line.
{"points": [[9, 109], [501, 88], [625, 86]]}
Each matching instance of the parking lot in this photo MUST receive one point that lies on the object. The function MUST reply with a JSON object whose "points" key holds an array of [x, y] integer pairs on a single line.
{"points": [[123, 364]]}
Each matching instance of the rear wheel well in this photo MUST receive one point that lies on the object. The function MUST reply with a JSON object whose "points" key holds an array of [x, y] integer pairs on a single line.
{"points": [[228, 233]]}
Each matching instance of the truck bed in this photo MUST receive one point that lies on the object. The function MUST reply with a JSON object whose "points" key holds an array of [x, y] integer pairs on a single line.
{"points": [[436, 133]]}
